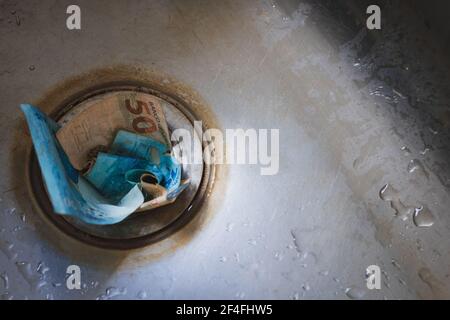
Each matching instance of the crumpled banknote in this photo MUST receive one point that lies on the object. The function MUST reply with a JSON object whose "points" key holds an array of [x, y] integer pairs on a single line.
{"points": [[101, 177]]}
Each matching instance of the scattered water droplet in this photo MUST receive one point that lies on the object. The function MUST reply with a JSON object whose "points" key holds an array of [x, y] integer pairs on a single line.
{"points": [[433, 131], [423, 217], [252, 242], [5, 278], [391, 195], [324, 273], [35, 280], [42, 268], [240, 295], [112, 292], [308, 258], [415, 165], [295, 242], [419, 245], [223, 259], [426, 276], [10, 211], [230, 227], [306, 287], [355, 293], [406, 150], [7, 296], [8, 249], [142, 295], [425, 150], [395, 264], [278, 256]]}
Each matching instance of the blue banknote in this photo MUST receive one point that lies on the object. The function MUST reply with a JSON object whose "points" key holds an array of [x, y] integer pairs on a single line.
{"points": [[141, 147]]}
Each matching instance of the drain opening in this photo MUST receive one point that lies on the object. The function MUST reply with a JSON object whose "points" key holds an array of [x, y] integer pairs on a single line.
{"points": [[141, 228]]}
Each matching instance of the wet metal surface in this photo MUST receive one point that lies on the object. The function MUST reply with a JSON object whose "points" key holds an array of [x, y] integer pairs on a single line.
{"points": [[364, 146]]}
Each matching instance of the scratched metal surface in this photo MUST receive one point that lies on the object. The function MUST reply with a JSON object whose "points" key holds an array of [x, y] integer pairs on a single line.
{"points": [[356, 110]]}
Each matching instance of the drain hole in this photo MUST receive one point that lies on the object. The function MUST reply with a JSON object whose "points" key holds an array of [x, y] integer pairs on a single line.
{"points": [[143, 227]]}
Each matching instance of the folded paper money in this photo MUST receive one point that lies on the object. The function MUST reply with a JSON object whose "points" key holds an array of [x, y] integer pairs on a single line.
{"points": [[132, 172]]}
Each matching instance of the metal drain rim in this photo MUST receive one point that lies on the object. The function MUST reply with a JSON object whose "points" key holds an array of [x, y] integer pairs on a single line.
{"points": [[193, 209]]}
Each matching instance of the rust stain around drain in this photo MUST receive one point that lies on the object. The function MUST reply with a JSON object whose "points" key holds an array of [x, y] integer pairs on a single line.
{"points": [[53, 102]]}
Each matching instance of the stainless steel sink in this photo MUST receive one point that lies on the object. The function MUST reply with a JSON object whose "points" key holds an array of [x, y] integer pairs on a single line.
{"points": [[356, 109]]}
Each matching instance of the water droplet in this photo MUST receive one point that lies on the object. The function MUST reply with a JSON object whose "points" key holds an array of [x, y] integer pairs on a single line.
{"points": [[295, 242], [252, 242], [112, 292], [355, 293], [5, 278], [324, 273], [31, 68], [223, 259], [423, 217], [42, 268], [306, 287], [142, 295], [406, 150], [10, 211], [426, 276], [296, 296], [415, 165], [278, 256], [240, 295], [395, 264], [8, 249], [425, 150], [7, 296], [35, 280], [230, 227], [419, 245], [389, 194], [433, 131], [308, 258]]}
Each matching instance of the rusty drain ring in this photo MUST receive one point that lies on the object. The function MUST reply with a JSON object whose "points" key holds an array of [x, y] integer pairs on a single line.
{"points": [[40, 196]]}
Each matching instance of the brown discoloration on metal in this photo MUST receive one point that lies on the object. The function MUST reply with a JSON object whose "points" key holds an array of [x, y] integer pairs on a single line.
{"points": [[53, 102]]}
